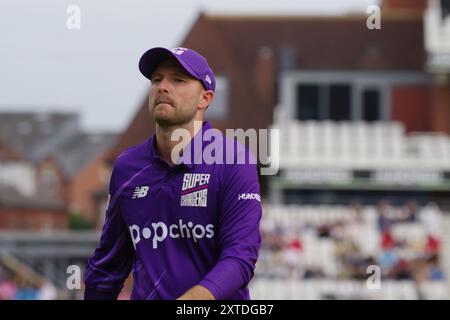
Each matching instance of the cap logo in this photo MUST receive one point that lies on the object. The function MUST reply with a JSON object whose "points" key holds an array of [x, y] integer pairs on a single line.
{"points": [[208, 79], [179, 51]]}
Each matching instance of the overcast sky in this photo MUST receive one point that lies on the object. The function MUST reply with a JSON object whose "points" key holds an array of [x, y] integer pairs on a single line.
{"points": [[44, 66]]}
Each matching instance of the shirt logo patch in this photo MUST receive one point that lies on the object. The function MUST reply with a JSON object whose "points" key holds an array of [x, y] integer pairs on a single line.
{"points": [[140, 192], [194, 192], [249, 196]]}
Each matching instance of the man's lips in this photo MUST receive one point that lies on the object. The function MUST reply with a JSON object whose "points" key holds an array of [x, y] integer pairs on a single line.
{"points": [[158, 102]]}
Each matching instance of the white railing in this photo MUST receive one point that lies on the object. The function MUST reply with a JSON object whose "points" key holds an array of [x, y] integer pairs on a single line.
{"points": [[378, 145]]}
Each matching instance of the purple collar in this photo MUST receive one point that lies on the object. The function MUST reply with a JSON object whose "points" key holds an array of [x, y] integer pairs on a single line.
{"points": [[155, 155]]}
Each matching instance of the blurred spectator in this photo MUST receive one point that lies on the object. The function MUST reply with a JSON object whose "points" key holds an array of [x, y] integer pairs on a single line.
{"points": [[435, 272], [433, 245], [410, 212], [324, 231], [313, 273], [387, 240], [358, 216], [384, 220], [388, 259], [47, 291], [26, 291], [402, 270], [400, 257], [8, 289], [431, 218], [271, 235], [292, 257]]}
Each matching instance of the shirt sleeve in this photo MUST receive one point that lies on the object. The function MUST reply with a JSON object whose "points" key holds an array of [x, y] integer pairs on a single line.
{"points": [[239, 235], [112, 260]]}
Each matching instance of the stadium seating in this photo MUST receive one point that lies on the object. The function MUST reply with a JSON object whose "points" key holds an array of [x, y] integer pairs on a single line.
{"points": [[306, 251]]}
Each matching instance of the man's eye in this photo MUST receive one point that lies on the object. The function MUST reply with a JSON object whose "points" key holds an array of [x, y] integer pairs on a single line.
{"points": [[179, 80]]}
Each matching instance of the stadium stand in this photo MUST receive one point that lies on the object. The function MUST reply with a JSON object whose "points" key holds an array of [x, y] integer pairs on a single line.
{"points": [[323, 252]]}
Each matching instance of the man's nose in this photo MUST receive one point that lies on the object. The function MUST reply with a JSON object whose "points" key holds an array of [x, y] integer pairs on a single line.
{"points": [[162, 86]]}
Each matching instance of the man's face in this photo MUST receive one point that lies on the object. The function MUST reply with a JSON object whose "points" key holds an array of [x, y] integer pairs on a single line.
{"points": [[174, 94]]}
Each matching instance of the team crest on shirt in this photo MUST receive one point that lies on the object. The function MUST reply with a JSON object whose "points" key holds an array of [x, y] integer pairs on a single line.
{"points": [[194, 192]]}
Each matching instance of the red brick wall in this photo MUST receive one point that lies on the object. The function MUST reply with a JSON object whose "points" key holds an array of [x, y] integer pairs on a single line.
{"points": [[411, 105], [32, 219], [90, 179], [404, 5], [441, 109]]}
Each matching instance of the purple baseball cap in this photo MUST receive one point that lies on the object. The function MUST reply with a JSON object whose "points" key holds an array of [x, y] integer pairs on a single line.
{"points": [[193, 62]]}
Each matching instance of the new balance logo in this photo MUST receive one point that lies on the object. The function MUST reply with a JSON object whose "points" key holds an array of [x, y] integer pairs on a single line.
{"points": [[140, 192]]}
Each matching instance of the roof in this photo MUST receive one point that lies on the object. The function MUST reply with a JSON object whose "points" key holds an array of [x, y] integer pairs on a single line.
{"points": [[7, 154], [81, 149], [35, 135], [332, 42]]}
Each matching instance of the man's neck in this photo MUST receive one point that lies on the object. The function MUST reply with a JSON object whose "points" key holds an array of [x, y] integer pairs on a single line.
{"points": [[164, 134]]}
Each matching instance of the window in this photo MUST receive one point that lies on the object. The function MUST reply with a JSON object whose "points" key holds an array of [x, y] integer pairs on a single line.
{"points": [[308, 102], [340, 95], [445, 5], [218, 109], [48, 181], [335, 101], [322, 101], [371, 105]]}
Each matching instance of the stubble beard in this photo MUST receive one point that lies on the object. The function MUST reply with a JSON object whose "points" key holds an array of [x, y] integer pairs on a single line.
{"points": [[173, 118]]}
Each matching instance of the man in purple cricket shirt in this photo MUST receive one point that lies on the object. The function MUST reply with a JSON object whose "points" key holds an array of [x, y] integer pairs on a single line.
{"points": [[188, 229]]}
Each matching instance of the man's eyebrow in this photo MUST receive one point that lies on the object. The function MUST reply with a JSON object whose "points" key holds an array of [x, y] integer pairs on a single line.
{"points": [[172, 73], [155, 74], [180, 73]]}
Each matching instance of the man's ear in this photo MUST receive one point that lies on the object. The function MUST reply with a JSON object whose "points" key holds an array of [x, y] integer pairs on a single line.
{"points": [[205, 99]]}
